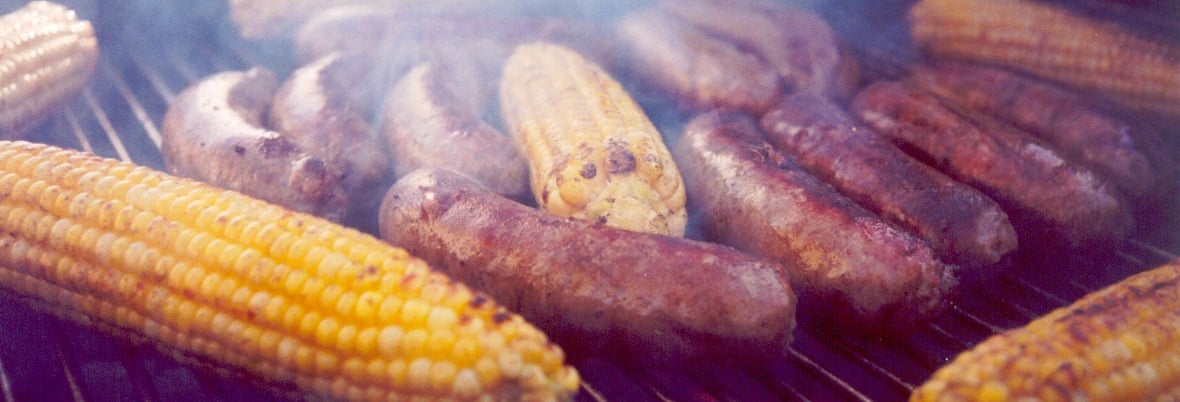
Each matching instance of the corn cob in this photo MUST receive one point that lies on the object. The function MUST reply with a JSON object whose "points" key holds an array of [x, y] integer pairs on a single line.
{"points": [[592, 152], [1138, 72], [1116, 344], [46, 56], [216, 276]]}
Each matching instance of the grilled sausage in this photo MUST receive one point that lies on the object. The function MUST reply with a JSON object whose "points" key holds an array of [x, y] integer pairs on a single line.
{"points": [[430, 120], [844, 261], [320, 109], [694, 67], [588, 283], [213, 132], [964, 226], [1110, 146], [389, 35], [800, 45], [1052, 202]]}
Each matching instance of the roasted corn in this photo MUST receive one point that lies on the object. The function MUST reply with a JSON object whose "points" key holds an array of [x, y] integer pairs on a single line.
{"points": [[46, 56], [592, 151], [212, 275], [1117, 344], [1138, 72]]}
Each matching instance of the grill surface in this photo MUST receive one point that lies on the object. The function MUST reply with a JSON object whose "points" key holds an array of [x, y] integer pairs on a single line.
{"points": [[118, 115]]}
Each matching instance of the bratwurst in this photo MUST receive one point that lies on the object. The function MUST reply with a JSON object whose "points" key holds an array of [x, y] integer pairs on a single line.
{"points": [[597, 285], [213, 132], [964, 226], [844, 261]]}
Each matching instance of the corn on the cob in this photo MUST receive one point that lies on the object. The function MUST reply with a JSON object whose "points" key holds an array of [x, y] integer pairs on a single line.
{"points": [[1121, 343], [214, 275], [1138, 72], [592, 151], [46, 56]]}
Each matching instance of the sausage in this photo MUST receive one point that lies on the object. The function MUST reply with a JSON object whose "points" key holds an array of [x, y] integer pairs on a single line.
{"points": [[963, 226], [798, 44], [1111, 146], [694, 67], [433, 120], [588, 284], [320, 109], [1052, 202], [846, 262], [386, 34], [213, 131]]}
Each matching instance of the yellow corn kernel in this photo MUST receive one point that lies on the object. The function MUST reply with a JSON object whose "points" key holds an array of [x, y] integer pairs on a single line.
{"points": [[1141, 73], [46, 56], [1116, 344], [592, 152], [145, 265]]}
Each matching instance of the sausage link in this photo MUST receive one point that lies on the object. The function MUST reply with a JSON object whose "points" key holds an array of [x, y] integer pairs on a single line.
{"points": [[844, 261], [588, 284], [694, 67], [213, 132], [1052, 202], [964, 226], [1111, 146]]}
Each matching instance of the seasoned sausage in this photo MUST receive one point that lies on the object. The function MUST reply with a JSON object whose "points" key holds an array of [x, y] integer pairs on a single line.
{"points": [[1052, 201], [589, 284], [799, 44], [844, 261], [213, 132], [964, 226], [693, 67], [433, 120], [1111, 146], [320, 109]]}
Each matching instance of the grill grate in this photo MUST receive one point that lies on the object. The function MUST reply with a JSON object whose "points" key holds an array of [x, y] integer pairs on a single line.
{"points": [[118, 115]]}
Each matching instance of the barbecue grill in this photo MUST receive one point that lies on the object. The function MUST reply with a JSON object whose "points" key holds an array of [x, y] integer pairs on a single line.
{"points": [[147, 59]]}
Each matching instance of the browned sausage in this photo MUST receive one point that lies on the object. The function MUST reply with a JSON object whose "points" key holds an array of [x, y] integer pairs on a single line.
{"points": [[964, 226], [800, 45], [213, 132], [588, 284], [317, 108], [693, 67], [1111, 146], [387, 35], [432, 119], [1051, 201], [844, 261]]}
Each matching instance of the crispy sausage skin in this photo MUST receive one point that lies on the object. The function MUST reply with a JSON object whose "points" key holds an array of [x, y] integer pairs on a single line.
{"points": [[798, 44], [844, 261], [1111, 146], [590, 284], [964, 226], [318, 108], [694, 67], [213, 132], [1052, 202], [431, 120]]}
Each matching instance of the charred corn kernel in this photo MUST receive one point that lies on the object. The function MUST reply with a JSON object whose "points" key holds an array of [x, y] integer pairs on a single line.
{"points": [[1044, 39], [46, 56], [592, 152], [88, 242], [1121, 343]]}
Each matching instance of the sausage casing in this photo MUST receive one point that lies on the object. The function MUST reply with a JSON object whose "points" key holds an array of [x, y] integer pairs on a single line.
{"points": [[843, 260], [963, 225], [694, 67], [213, 132], [1052, 201], [590, 283]]}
